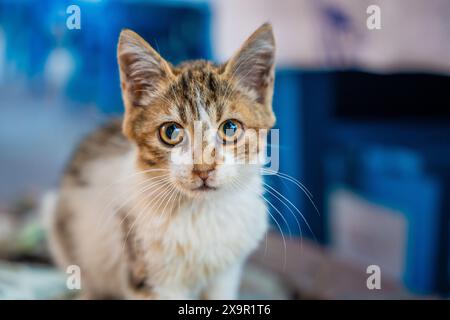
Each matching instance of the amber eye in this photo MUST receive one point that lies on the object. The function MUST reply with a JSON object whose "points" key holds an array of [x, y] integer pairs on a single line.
{"points": [[230, 130], [171, 133]]}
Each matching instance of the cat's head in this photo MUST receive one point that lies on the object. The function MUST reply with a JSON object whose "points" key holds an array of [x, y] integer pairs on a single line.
{"points": [[198, 122]]}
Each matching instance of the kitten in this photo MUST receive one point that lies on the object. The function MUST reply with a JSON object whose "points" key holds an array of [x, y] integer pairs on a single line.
{"points": [[138, 212]]}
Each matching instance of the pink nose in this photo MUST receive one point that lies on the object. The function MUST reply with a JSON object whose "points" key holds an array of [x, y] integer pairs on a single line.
{"points": [[203, 174]]}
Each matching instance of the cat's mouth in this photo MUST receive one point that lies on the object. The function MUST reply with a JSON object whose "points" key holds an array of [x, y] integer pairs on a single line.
{"points": [[200, 190], [204, 188]]}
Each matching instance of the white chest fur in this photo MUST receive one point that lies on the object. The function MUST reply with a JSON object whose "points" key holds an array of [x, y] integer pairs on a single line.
{"points": [[206, 237]]}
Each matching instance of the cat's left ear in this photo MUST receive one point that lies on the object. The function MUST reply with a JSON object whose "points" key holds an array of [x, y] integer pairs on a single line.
{"points": [[142, 70], [253, 65]]}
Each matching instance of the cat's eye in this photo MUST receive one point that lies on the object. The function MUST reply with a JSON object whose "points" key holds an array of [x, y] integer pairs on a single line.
{"points": [[230, 130], [171, 133]]}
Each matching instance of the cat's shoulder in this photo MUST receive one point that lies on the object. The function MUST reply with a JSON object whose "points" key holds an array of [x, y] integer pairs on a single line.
{"points": [[105, 142]]}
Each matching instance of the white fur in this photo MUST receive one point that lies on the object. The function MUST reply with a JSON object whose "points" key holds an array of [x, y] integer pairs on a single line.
{"points": [[202, 244]]}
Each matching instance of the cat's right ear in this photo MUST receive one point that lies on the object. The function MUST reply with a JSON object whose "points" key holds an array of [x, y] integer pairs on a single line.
{"points": [[142, 69]]}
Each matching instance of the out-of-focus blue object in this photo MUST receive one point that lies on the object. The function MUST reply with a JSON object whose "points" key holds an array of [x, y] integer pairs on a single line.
{"points": [[300, 101], [179, 30], [397, 162], [402, 164], [398, 179]]}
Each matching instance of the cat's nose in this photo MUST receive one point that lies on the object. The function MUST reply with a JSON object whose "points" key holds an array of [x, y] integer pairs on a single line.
{"points": [[203, 174]]}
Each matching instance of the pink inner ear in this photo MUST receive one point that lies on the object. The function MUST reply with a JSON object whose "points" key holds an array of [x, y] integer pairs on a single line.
{"points": [[141, 68], [253, 65]]}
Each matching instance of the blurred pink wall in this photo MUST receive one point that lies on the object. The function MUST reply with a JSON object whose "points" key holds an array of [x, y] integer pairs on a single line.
{"points": [[414, 34]]}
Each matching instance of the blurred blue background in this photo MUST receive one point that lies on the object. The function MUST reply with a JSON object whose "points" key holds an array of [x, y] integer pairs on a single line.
{"points": [[372, 148]]}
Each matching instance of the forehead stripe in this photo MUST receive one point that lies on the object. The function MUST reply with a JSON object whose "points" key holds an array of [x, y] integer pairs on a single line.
{"points": [[203, 115]]}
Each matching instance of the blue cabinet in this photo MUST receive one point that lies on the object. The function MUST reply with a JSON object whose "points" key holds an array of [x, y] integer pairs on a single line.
{"points": [[382, 139]]}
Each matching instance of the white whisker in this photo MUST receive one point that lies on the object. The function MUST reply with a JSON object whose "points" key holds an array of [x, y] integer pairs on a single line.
{"points": [[290, 210], [296, 209], [296, 182]]}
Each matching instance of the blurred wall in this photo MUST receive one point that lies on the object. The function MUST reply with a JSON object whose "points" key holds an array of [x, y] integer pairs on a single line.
{"points": [[326, 33]]}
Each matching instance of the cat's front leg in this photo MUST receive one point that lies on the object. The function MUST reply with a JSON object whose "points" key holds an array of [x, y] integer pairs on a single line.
{"points": [[224, 286]]}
